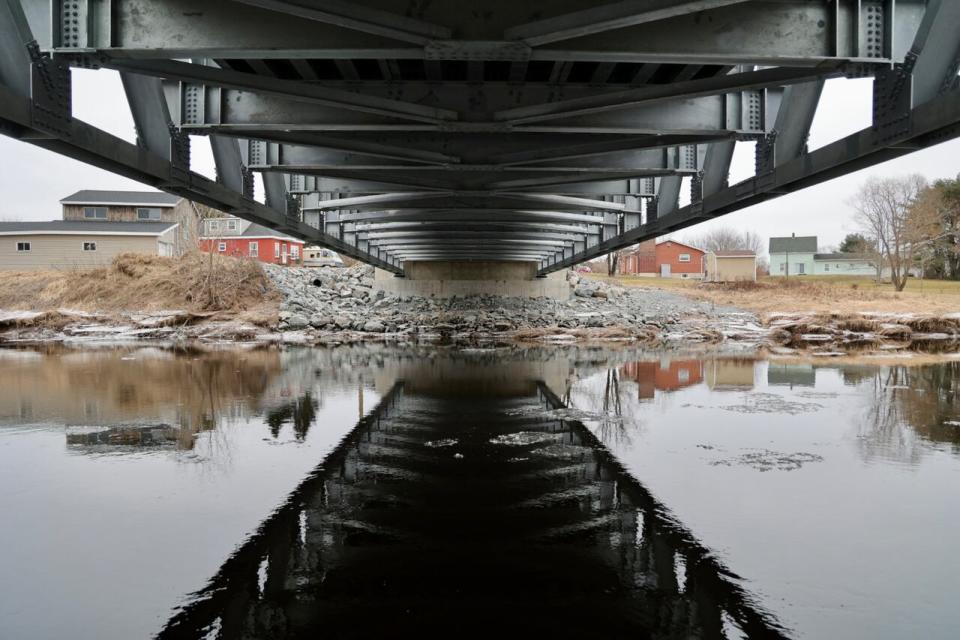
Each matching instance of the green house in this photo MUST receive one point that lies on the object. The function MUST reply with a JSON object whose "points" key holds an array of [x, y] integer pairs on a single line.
{"points": [[793, 255]]}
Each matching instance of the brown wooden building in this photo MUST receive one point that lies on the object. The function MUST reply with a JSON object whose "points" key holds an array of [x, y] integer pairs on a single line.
{"points": [[136, 206]]}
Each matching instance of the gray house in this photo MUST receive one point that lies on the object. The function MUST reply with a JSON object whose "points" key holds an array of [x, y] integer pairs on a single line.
{"points": [[792, 256]]}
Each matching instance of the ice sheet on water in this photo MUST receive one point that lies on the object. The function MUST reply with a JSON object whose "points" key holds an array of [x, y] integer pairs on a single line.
{"points": [[522, 438], [437, 444]]}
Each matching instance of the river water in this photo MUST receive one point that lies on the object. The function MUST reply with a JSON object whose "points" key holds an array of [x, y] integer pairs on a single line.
{"points": [[370, 492]]}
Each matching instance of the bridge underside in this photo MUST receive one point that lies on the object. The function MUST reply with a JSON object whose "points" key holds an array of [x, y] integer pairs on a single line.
{"points": [[398, 132]]}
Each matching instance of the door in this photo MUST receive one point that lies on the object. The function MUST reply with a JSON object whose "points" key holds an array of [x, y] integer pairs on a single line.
{"points": [[665, 271]]}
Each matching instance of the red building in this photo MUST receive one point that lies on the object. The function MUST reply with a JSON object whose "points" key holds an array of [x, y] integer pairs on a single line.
{"points": [[239, 238], [669, 259]]}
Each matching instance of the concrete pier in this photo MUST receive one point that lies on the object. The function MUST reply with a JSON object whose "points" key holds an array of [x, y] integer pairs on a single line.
{"points": [[446, 279]]}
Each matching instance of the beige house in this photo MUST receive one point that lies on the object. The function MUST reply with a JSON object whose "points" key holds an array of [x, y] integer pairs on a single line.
{"points": [[64, 244], [730, 266], [97, 206]]}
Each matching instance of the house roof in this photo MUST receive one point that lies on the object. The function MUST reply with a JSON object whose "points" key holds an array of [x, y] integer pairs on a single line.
{"points": [[682, 244], [129, 198], [794, 244], [85, 227], [840, 256], [735, 253], [259, 231], [253, 230]]}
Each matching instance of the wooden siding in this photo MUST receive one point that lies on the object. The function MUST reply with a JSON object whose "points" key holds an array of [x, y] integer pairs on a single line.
{"points": [[66, 251], [187, 234]]}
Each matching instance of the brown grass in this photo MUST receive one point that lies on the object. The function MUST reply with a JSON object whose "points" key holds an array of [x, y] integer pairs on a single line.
{"points": [[197, 282], [813, 294]]}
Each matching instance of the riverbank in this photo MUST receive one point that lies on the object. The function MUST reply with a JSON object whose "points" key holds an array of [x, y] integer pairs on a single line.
{"points": [[214, 299]]}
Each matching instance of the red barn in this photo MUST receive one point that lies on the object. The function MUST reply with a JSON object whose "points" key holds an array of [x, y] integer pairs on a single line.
{"points": [[239, 238], [669, 259]]}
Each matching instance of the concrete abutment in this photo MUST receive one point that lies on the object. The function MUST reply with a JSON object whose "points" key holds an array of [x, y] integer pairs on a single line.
{"points": [[449, 278]]}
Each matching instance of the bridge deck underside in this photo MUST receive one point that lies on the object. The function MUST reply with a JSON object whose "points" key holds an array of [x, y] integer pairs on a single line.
{"points": [[480, 130]]}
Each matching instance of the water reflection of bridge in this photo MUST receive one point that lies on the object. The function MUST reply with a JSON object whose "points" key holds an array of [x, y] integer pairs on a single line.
{"points": [[524, 524]]}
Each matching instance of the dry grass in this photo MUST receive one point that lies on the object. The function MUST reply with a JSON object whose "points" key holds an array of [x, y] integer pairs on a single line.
{"points": [[812, 294], [197, 282]]}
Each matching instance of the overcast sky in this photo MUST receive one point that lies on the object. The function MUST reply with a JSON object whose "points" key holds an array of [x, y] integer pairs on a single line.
{"points": [[33, 180]]}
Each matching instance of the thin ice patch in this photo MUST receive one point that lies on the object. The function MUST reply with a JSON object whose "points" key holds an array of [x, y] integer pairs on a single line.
{"points": [[523, 438], [767, 403], [563, 413], [437, 444], [766, 460]]}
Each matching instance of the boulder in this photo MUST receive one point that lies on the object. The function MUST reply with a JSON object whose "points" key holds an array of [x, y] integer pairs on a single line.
{"points": [[374, 326], [295, 321]]}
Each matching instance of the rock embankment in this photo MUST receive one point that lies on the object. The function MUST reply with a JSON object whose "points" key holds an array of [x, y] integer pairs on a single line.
{"points": [[341, 304]]}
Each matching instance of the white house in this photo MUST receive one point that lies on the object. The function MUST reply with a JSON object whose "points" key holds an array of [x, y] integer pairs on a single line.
{"points": [[843, 264]]}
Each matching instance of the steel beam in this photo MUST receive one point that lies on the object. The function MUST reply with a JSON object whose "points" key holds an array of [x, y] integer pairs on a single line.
{"points": [[780, 32], [352, 15], [492, 216], [931, 123], [606, 17]]}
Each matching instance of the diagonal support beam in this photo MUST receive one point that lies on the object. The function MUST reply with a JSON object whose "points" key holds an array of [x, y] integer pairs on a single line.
{"points": [[300, 91], [750, 80], [606, 17], [352, 15]]}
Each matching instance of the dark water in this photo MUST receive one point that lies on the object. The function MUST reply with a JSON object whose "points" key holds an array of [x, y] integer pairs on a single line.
{"points": [[365, 492]]}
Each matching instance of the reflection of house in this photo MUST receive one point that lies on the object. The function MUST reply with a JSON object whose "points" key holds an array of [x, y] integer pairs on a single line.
{"points": [[115, 392], [729, 374], [791, 375], [665, 375], [232, 236]]}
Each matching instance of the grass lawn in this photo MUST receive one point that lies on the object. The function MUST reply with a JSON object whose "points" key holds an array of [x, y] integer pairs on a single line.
{"points": [[812, 293]]}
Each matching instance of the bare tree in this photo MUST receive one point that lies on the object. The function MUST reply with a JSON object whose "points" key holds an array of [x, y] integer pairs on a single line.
{"points": [[888, 210], [727, 239], [613, 260]]}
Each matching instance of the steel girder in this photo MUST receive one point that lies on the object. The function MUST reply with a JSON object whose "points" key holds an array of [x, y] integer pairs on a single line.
{"points": [[431, 134], [775, 32]]}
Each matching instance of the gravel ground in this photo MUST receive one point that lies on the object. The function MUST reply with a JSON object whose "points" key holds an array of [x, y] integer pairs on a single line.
{"points": [[324, 301]]}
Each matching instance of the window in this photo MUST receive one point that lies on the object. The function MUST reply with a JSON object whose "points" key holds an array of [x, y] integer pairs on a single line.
{"points": [[294, 251], [148, 213], [683, 257], [232, 225], [826, 267], [683, 375], [23, 246], [222, 247], [783, 267], [254, 249], [89, 246], [213, 226], [95, 213], [276, 249]]}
